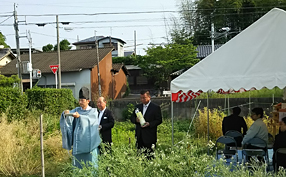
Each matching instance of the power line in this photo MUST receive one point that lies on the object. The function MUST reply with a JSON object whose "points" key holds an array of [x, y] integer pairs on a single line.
{"points": [[6, 19], [52, 36]]}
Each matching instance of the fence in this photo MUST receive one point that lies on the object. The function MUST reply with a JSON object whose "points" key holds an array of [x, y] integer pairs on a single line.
{"points": [[186, 110]]}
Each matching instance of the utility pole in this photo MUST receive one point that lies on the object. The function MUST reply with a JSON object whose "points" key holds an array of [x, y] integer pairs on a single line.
{"points": [[212, 36], [97, 62], [30, 58], [59, 54], [19, 63], [135, 43]]}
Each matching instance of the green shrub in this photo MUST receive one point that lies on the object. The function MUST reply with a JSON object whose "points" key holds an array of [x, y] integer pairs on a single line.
{"points": [[128, 111], [14, 102], [8, 81], [51, 101]]}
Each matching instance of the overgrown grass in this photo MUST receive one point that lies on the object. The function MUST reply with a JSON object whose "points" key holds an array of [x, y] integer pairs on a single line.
{"points": [[20, 150]]}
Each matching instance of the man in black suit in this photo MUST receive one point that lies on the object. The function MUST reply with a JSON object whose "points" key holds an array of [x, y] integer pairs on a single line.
{"points": [[106, 121], [280, 143], [146, 135], [234, 122]]}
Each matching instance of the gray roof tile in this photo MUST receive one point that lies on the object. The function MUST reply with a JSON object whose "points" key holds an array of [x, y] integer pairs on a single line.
{"points": [[71, 60]]}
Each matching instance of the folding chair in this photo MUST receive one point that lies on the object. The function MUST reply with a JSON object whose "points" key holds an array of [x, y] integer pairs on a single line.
{"points": [[226, 140], [236, 135], [260, 151], [280, 151]]}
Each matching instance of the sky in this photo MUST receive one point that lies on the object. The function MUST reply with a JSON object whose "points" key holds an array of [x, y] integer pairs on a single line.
{"points": [[151, 27]]}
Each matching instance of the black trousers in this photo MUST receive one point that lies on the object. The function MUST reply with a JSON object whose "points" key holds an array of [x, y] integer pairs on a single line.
{"points": [[145, 148]]}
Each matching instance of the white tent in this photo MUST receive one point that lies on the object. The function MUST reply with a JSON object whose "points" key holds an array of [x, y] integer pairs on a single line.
{"points": [[254, 58]]}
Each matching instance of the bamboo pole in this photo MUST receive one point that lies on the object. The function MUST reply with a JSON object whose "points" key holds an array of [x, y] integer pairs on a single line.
{"points": [[42, 146]]}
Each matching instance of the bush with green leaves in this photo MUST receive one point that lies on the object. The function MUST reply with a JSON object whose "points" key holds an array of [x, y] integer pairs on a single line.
{"points": [[128, 111], [9, 81], [51, 101], [12, 101]]}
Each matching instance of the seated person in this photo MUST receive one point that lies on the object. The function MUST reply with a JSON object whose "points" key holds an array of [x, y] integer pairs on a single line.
{"points": [[257, 130], [280, 142], [234, 122]]}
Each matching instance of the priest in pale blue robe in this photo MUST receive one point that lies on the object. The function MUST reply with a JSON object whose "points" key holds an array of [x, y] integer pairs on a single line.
{"points": [[80, 132]]}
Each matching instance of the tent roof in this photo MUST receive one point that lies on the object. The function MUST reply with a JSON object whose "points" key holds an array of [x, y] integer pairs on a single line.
{"points": [[254, 58]]}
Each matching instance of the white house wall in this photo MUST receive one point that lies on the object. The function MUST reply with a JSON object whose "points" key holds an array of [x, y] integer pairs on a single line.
{"points": [[71, 80], [119, 53], [4, 61]]}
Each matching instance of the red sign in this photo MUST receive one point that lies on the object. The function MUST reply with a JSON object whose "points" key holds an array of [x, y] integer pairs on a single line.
{"points": [[54, 68]]}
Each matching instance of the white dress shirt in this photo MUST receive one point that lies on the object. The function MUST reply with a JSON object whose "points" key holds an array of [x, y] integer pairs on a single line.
{"points": [[100, 114], [145, 106]]}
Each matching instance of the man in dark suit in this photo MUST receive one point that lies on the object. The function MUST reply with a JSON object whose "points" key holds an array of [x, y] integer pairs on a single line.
{"points": [[106, 121], [280, 142], [146, 135], [234, 122]]}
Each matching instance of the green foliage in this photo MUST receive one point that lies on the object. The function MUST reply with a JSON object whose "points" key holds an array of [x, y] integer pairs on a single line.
{"points": [[196, 17], [188, 156], [129, 60], [51, 101], [128, 90], [14, 102], [64, 45], [47, 48], [128, 111], [8, 81], [161, 61], [2, 41]]}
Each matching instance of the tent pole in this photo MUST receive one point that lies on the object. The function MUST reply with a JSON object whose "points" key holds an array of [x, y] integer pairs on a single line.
{"points": [[228, 105], [194, 116], [172, 116], [208, 120], [224, 102], [249, 107]]}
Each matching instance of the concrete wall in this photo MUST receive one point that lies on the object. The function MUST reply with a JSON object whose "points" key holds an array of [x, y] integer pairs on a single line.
{"points": [[186, 110]]}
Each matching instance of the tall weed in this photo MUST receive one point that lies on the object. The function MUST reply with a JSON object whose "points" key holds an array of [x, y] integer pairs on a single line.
{"points": [[215, 123]]}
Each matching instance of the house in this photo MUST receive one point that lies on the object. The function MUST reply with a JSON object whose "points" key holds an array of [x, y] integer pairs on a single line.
{"points": [[129, 53], [103, 42], [26, 51], [6, 56], [78, 69], [205, 50]]}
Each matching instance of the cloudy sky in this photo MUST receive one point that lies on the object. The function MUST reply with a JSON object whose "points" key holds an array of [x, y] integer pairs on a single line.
{"points": [[118, 18]]}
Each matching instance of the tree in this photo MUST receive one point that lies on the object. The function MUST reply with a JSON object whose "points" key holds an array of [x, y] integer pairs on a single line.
{"points": [[129, 60], [64, 45], [2, 41], [161, 61], [196, 17], [47, 48]]}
